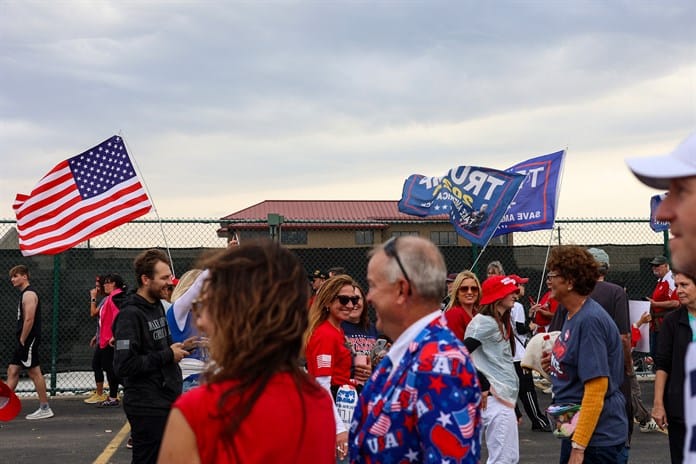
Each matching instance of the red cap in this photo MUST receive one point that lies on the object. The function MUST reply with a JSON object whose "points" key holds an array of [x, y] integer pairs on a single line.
{"points": [[496, 287], [9, 403], [519, 280]]}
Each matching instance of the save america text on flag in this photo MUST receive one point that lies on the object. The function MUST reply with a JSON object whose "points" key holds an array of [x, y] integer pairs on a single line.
{"points": [[534, 207], [475, 198], [80, 198]]}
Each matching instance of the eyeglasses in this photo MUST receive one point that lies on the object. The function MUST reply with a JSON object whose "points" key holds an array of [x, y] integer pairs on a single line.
{"points": [[472, 289], [551, 275], [344, 299], [390, 250]]}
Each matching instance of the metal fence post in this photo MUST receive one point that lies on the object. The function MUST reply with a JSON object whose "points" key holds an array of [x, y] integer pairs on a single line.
{"points": [[54, 323]]}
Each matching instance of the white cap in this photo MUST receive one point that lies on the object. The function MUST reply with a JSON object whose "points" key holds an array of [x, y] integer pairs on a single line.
{"points": [[657, 171]]}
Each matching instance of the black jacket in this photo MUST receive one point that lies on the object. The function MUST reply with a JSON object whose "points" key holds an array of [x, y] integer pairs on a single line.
{"points": [[672, 343], [143, 358]]}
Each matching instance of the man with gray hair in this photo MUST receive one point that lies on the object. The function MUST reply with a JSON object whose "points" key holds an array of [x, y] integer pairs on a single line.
{"points": [[424, 396]]}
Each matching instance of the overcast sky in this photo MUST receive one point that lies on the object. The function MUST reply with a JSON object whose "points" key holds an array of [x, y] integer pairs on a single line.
{"points": [[226, 104]]}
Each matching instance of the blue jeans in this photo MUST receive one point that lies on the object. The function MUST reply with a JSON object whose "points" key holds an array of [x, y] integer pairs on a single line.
{"points": [[593, 454]]}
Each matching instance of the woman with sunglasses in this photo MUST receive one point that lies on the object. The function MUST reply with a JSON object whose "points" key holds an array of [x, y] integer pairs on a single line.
{"points": [[328, 358], [491, 344], [586, 361], [257, 405], [463, 303], [361, 334]]}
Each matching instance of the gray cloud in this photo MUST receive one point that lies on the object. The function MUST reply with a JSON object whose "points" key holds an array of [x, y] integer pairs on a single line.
{"points": [[223, 97]]}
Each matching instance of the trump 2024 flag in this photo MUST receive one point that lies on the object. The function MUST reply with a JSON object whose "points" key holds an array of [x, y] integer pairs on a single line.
{"points": [[475, 198], [82, 197], [534, 207]]}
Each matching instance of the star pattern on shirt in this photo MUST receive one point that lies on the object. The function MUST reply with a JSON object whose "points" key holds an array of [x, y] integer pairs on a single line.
{"points": [[102, 167], [437, 384], [412, 455], [444, 419]]}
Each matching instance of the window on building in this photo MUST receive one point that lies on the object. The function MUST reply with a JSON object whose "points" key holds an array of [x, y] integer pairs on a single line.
{"points": [[293, 237], [364, 237], [402, 233], [443, 238], [245, 235]]}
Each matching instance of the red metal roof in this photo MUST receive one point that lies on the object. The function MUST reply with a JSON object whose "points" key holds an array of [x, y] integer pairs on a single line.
{"points": [[328, 210]]}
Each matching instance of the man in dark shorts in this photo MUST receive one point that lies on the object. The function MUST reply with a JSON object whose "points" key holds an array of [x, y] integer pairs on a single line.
{"points": [[28, 339]]}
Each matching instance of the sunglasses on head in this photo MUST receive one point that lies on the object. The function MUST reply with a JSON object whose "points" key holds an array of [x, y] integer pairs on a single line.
{"points": [[344, 299], [390, 250], [473, 289]]}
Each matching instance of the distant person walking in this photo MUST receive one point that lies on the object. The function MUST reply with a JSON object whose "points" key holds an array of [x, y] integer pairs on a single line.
{"points": [[663, 300], [28, 338], [145, 357]]}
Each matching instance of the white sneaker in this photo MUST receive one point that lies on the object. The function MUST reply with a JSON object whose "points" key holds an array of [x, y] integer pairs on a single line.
{"points": [[650, 426], [40, 414]]}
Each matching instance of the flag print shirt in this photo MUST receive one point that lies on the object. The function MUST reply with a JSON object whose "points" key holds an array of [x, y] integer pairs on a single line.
{"points": [[424, 408]]}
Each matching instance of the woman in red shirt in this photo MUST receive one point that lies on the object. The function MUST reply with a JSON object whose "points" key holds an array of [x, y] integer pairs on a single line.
{"points": [[258, 404], [327, 351], [464, 303]]}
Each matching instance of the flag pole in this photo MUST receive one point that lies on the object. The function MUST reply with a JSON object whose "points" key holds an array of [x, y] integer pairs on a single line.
{"points": [[490, 237], [553, 226], [154, 207]]}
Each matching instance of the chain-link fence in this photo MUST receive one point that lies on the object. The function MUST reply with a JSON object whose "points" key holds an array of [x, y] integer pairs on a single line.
{"points": [[63, 281]]}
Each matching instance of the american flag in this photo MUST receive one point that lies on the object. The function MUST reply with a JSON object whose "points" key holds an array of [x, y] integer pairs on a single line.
{"points": [[381, 426], [323, 361], [465, 421], [82, 197]]}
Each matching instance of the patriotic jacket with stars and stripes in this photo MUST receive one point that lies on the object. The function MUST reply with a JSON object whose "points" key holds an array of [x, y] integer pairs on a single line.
{"points": [[426, 409]]}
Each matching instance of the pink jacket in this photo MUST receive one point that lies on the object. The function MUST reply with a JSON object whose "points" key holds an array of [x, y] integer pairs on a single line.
{"points": [[107, 314]]}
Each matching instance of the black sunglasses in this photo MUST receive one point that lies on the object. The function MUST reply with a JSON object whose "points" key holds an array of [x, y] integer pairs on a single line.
{"points": [[390, 250], [344, 299], [472, 289]]}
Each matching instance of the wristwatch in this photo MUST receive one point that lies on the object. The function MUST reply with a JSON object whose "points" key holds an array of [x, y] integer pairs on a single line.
{"points": [[577, 446], [93, 300]]}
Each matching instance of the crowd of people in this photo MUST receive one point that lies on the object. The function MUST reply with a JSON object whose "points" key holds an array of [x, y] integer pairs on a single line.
{"points": [[249, 362]]}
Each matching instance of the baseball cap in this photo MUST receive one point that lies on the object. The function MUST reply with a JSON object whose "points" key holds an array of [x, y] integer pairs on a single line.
{"points": [[519, 280], [497, 287], [657, 171], [451, 277], [599, 255], [658, 260], [9, 403], [318, 274]]}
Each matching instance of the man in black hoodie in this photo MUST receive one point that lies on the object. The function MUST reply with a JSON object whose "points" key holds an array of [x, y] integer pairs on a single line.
{"points": [[145, 357]]}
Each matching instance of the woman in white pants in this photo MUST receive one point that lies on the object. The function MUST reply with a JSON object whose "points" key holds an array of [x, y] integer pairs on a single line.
{"points": [[489, 339]]}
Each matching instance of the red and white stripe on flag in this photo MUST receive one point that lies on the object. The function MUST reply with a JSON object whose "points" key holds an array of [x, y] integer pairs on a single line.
{"points": [[323, 361], [80, 198]]}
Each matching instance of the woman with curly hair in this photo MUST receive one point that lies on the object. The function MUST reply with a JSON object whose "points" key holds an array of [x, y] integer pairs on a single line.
{"points": [[328, 354], [463, 303], [586, 363], [257, 405]]}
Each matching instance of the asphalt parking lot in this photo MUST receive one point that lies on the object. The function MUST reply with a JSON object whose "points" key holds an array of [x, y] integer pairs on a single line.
{"points": [[82, 433]]}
